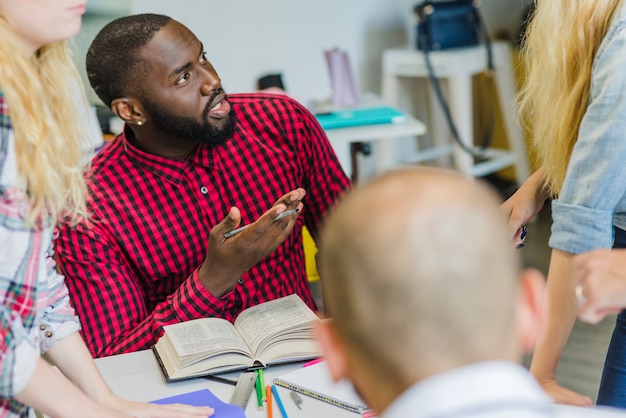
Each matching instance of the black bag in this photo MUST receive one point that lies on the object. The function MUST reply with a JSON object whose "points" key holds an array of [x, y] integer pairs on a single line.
{"points": [[447, 24], [453, 24]]}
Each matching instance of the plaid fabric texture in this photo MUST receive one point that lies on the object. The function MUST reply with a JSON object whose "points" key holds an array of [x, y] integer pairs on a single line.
{"points": [[135, 269], [35, 308]]}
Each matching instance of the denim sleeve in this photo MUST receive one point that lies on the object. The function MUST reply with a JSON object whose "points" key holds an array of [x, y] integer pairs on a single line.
{"points": [[595, 184]]}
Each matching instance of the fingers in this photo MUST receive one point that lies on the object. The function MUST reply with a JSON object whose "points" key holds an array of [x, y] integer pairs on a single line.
{"points": [[277, 220], [186, 411], [520, 236], [283, 212], [232, 220], [600, 284], [512, 224], [291, 200], [150, 410], [565, 396]]}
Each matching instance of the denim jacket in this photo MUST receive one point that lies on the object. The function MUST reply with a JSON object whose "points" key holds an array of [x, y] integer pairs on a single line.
{"points": [[593, 196]]}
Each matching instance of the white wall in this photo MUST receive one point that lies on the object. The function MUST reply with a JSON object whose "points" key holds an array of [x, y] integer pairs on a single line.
{"points": [[245, 39]]}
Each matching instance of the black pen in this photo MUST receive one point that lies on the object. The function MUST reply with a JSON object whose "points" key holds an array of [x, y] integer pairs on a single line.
{"points": [[219, 379], [280, 216]]}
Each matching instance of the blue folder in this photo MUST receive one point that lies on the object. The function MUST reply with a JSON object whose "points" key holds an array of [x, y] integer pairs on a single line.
{"points": [[360, 116], [205, 397]]}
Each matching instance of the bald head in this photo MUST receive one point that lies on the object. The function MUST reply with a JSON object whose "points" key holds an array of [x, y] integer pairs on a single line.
{"points": [[419, 273]]}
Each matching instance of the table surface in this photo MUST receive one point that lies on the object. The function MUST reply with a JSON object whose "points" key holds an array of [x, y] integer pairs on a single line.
{"points": [[137, 376], [383, 131]]}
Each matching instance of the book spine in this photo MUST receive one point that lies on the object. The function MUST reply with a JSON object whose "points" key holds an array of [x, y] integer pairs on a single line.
{"points": [[320, 396]]}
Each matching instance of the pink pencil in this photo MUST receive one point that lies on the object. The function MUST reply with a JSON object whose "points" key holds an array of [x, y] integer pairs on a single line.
{"points": [[312, 362]]}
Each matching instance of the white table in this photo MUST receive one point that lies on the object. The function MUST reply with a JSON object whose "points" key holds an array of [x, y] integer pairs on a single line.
{"points": [[381, 134], [137, 376]]}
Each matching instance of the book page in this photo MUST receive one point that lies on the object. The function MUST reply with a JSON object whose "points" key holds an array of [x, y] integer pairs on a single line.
{"points": [[198, 338], [262, 322]]}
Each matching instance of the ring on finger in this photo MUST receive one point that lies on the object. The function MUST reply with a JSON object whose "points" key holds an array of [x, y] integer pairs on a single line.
{"points": [[580, 296]]}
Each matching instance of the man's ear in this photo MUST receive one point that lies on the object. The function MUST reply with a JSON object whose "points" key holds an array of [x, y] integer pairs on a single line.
{"points": [[128, 110], [530, 315], [333, 349]]}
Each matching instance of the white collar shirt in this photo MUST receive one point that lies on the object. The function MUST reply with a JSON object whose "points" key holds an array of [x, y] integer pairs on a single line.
{"points": [[485, 390]]}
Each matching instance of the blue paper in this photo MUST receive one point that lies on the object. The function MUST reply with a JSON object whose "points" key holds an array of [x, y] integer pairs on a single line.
{"points": [[205, 397]]}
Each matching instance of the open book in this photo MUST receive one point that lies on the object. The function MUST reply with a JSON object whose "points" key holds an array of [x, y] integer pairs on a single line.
{"points": [[278, 331]]}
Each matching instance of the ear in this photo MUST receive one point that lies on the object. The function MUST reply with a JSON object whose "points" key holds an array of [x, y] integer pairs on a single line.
{"points": [[333, 349], [129, 110], [530, 312]]}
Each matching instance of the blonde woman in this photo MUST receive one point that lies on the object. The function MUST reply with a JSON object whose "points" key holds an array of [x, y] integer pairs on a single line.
{"points": [[575, 102], [41, 180]]}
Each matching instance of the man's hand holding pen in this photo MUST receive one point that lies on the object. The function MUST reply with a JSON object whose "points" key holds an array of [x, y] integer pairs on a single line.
{"points": [[230, 254]]}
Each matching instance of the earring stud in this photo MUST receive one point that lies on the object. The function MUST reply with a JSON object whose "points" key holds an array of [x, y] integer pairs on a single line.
{"points": [[139, 122]]}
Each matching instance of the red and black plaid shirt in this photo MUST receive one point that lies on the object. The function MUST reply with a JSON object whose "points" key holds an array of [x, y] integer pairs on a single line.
{"points": [[136, 269]]}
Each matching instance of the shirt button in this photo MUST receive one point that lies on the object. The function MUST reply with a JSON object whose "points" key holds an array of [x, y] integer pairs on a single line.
{"points": [[48, 334], [204, 190], [42, 327], [240, 281]]}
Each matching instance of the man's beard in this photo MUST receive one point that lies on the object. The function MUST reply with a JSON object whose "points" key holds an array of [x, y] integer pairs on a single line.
{"points": [[188, 128]]}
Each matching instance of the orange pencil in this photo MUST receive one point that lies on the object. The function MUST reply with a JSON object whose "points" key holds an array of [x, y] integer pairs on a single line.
{"points": [[268, 394]]}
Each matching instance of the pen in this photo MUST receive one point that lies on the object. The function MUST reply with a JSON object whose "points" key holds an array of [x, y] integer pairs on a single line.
{"points": [[280, 216], [220, 379], [286, 213], [268, 394], [259, 390], [279, 402], [262, 383], [312, 362]]}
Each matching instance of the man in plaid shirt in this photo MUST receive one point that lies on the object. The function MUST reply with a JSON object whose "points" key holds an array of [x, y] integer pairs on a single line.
{"points": [[191, 164]]}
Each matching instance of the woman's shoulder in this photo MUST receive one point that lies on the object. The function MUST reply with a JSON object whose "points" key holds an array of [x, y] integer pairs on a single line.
{"points": [[611, 54], [617, 29]]}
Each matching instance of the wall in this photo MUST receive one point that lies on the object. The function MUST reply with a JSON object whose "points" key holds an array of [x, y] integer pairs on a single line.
{"points": [[246, 39]]}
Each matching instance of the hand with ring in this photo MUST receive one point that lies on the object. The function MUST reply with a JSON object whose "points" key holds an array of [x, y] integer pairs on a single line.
{"points": [[600, 276]]}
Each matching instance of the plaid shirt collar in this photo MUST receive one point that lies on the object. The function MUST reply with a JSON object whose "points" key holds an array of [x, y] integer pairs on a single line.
{"points": [[170, 169]]}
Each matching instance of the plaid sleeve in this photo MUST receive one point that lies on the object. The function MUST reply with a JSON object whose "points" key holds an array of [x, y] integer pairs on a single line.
{"points": [[110, 301], [19, 258], [58, 320], [18, 349], [18, 275]]}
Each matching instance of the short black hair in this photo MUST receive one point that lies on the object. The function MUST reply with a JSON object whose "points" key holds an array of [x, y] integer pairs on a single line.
{"points": [[113, 63]]}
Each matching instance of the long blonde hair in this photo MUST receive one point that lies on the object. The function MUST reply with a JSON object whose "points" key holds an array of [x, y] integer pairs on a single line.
{"points": [[43, 93], [561, 42]]}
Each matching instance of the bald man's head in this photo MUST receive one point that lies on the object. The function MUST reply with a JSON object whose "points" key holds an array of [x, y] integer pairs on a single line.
{"points": [[419, 273]]}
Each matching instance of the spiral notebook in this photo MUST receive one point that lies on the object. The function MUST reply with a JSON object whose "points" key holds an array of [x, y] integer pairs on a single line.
{"points": [[316, 382]]}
